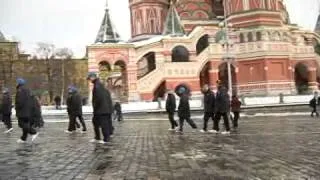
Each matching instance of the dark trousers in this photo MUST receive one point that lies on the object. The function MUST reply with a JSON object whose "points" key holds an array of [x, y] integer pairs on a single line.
{"points": [[207, 116], [172, 121], [217, 120], [7, 120], [235, 119], [25, 124], [314, 110], [118, 116], [73, 122], [104, 122], [189, 121]]}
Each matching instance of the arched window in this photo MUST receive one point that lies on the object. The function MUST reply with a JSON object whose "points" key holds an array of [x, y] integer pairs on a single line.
{"points": [[202, 43], [259, 36], [250, 37], [241, 38], [180, 54]]}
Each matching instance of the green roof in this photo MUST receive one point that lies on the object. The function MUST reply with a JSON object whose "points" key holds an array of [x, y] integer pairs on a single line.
{"points": [[173, 25]]}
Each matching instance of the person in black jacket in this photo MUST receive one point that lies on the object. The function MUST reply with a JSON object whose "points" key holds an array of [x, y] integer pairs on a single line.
{"points": [[102, 110], [74, 108], [314, 102], [209, 104], [57, 101], [222, 108], [6, 109], [184, 110], [37, 120], [23, 106], [171, 109], [118, 111]]}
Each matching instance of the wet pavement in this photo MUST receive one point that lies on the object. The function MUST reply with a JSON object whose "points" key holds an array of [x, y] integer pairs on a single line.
{"points": [[262, 148]]}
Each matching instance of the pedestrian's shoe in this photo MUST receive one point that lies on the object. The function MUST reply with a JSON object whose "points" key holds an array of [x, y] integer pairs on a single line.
{"points": [[103, 142], [94, 141], [34, 137], [69, 132], [203, 131], [213, 131], [225, 132], [20, 141], [83, 131], [177, 128], [8, 131], [170, 129], [179, 131]]}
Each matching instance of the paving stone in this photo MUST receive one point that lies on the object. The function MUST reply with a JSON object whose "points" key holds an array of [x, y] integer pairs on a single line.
{"points": [[263, 148]]}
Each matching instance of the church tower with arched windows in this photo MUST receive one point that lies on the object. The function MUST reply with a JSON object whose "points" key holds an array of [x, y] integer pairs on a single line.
{"points": [[147, 18], [253, 13]]}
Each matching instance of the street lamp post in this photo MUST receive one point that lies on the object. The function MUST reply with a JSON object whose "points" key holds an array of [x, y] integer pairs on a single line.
{"points": [[227, 43]]}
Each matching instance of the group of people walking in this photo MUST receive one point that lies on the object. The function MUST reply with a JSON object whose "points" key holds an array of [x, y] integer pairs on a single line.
{"points": [[29, 115], [215, 106]]}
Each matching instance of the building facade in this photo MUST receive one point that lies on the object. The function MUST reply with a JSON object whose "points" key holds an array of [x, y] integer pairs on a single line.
{"points": [[14, 64], [178, 43]]}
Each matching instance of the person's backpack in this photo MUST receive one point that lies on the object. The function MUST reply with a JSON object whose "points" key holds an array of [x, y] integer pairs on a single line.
{"points": [[312, 102]]}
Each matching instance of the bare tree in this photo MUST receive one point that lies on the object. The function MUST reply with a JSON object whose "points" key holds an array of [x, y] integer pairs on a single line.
{"points": [[65, 54], [46, 51]]}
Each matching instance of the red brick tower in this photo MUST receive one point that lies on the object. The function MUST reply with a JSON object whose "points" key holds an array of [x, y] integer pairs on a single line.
{"points": [[147, 18]]}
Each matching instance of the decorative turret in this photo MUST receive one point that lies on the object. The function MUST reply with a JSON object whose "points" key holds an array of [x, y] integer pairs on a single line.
{"points": [[317, 28], [147, 18], [107, 32], [250, 13], [173, 25]]}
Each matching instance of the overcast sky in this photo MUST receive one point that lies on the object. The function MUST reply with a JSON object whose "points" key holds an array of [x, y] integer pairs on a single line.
{"points": [[74, 23]]}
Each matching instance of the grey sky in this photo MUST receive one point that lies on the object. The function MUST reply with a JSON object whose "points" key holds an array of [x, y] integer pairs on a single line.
{"points": [[74, 23]]}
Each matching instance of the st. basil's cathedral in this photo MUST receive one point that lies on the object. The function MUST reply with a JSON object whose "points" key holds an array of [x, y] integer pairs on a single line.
{"points": [[180, 43]]}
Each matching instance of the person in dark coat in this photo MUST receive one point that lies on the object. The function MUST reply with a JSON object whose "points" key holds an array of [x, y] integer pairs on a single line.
{"points": [[118, 111], [74, 108], [23, 106], [6, 109], [184, 110], [37, 120], [313, 104], [222, 108], [171, 109], [102, 110], [57, 101], [235, 108], [209, 103]]}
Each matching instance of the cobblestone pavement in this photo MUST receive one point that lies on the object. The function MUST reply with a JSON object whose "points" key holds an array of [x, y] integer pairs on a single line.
{"points": [[263, 148]]}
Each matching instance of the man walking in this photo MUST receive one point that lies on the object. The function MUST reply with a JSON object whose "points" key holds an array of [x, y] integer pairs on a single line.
{"points": [[235, 108], [184, 110], [23, 106], [209, 103], [171, 108], [57, 101], [118, 111], [222, 108], [74, 108], [6, 109], [313, 104], [102, 110], [37, 120]]}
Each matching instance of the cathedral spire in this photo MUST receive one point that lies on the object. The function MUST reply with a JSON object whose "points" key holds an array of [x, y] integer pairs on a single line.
{"points": [[317, 28], [107, 32], [173, 24]]}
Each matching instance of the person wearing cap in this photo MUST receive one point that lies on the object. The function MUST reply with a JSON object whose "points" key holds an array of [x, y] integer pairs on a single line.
{"points": [[171, 109], [6, 109], [209, 105], [74, 108], [23, 106], [102, 110], [184, 110], [222, 109]]}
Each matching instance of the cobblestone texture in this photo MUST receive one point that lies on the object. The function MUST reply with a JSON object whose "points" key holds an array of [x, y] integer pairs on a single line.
{"points": [[263, 148]]}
